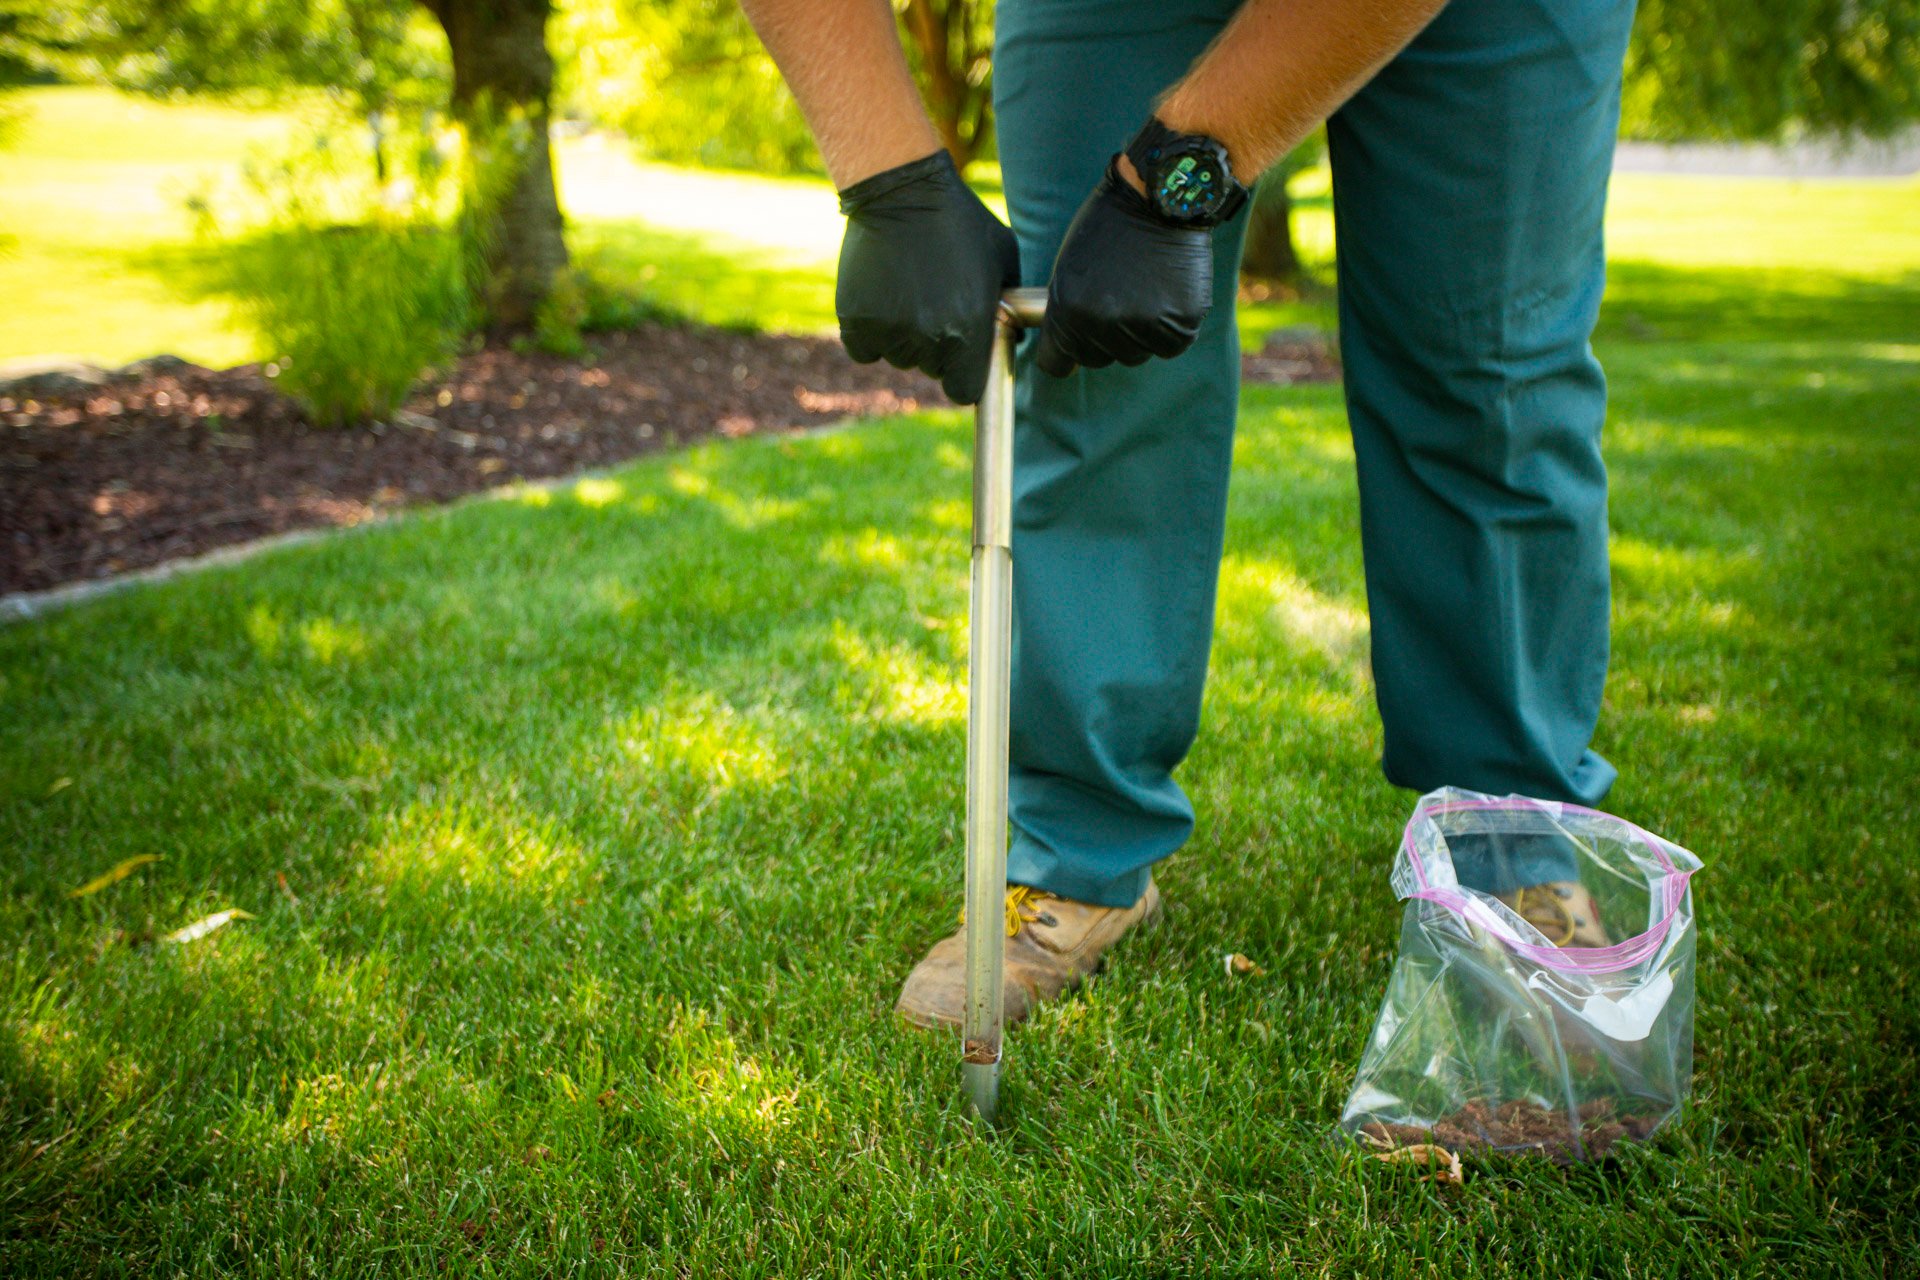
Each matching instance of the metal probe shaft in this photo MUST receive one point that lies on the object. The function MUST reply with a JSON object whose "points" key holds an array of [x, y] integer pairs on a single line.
{"points": [[989, 653]]}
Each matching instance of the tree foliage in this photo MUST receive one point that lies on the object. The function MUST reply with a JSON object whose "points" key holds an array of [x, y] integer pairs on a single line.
{"points": [[1772, 69], [689, 81], [379, 54], [686, 79], [950, 47]]}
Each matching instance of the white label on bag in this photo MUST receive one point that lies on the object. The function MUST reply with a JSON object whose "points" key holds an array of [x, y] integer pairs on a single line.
{"points": [[1629, 1015]]}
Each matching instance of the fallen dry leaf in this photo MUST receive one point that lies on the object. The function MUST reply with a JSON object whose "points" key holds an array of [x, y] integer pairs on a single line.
{"points": [[59, 785], [115, 876], [1445, 1164], [1239, 964], [207, 924]]}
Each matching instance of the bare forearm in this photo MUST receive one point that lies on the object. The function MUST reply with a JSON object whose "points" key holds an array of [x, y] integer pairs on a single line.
{"points": [[842, 60], [1283, 66]]}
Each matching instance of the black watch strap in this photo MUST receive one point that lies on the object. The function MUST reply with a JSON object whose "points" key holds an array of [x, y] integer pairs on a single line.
{"points": [[1169, 164]]}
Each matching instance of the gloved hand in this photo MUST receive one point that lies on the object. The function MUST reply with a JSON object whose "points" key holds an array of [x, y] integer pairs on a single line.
{"points": [[1127, 284], [922, 268]]}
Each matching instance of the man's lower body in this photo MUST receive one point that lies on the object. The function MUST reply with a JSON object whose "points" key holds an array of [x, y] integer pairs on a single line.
{"points": [[1469, 186]]}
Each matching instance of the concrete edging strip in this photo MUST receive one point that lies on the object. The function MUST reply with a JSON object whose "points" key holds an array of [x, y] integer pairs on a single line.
{"points": [[24, 606]]}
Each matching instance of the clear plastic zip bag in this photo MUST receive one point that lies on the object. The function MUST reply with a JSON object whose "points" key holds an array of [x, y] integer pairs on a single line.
{"points": [[1494, 1035]]}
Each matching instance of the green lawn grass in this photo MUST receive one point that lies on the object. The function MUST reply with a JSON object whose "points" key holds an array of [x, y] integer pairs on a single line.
{"points": [[95, 233], [589, 833]]}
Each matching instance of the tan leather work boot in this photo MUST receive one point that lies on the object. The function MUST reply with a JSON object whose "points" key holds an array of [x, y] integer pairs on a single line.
{"points": [[1563, 910], [1052, 943]]}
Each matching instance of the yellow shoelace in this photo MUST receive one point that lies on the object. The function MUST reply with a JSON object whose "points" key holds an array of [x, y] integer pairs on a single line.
{"points": [[1528, 904], [1021, 908]]}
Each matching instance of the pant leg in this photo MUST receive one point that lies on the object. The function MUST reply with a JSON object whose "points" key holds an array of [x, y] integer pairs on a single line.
{"points": [[1470, 179], [1120, 475]]}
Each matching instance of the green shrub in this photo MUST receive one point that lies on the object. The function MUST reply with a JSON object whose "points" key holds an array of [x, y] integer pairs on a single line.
{"points": [[352, 287]]}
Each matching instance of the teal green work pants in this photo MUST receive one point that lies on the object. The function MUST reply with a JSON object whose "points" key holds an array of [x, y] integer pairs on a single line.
{"points": [[1469, 181]]}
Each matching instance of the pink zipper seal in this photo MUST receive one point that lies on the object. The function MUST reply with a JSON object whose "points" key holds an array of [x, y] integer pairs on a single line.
{"points": [[1621, 955]]}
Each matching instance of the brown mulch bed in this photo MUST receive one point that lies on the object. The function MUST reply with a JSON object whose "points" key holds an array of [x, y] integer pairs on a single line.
{"points": [[164, 459], [1301, 354]]}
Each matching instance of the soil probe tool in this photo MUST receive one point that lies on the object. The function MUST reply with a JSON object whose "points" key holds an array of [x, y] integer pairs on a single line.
{"points": [[989, 649]]}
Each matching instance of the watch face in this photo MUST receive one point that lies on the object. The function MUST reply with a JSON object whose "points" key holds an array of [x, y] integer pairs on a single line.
{"points": [[1191, 187]]}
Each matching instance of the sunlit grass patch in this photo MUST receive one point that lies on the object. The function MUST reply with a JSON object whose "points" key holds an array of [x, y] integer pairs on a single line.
{"points": [[902, 682]]}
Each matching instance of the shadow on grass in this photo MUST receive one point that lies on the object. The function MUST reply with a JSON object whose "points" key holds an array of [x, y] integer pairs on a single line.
{"points": [[1648, 302]]}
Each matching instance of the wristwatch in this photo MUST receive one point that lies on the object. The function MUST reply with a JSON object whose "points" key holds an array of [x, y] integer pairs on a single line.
{"points": [[1187, 177]]}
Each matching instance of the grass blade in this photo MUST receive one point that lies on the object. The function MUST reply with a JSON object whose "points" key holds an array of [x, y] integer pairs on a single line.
{"points": [[119, 872]]}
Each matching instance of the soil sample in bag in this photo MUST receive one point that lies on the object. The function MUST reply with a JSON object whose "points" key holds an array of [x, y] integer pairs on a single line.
{"points": [[1492, 1037]]}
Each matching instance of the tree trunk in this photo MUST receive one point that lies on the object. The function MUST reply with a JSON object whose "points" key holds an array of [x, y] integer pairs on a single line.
{"points": [[502, 81], [944, 32], [1270, 254]]}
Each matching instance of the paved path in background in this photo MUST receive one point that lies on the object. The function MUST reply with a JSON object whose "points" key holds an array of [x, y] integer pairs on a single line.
{"points": [[1897, 158], [797, 219]]}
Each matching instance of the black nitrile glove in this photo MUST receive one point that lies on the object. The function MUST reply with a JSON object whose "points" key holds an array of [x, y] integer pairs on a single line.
{"points": [[1127, 284], [922, 268]]}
